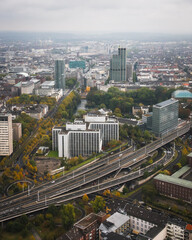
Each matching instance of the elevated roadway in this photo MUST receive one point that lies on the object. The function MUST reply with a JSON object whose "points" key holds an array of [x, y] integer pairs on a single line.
{"points": [[58, 192]]}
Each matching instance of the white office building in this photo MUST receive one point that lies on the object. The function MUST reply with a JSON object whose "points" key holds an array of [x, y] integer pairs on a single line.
{"points": [[84, 137], [74, 143], [109, 126], [6, 135]]}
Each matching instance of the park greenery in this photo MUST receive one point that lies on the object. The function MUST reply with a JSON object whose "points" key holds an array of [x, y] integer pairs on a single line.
{"points": [[68, 106], [27, 99], [134, 133], [123, 101], [70, 83]]}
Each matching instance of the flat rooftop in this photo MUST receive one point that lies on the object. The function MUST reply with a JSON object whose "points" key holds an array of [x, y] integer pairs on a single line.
{"points": [[166, 103], [86, 221], [181, 171]]}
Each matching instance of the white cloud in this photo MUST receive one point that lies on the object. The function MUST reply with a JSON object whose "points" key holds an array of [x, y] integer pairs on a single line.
{"points": [[169, 16]]}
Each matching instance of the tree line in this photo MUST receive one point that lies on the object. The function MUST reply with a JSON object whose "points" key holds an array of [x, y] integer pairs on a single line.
{"points": [[114, 98]]}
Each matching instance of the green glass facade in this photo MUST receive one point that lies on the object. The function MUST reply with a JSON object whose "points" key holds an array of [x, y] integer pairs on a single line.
{"points": [[118, 66], [165, 117], [77, 64], [60, 74]]}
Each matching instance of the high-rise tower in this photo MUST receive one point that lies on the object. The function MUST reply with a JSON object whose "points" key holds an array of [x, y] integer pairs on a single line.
{"points": [[118, 66], [6, 135], [60, 74]]}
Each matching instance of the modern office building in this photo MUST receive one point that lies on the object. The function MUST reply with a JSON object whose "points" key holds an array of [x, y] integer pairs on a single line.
{"points": [[77, 64], [129, 69], [17, 131], [75, 143], [76, 139], [109, 126], [6, 135], [84, 137], [118, 66], [60, 74], [55, 132], [165, 117]]}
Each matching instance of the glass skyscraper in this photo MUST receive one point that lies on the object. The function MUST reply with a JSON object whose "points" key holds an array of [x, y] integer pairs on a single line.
{"points": [[60, 74], [118, 66], [165, 117]]}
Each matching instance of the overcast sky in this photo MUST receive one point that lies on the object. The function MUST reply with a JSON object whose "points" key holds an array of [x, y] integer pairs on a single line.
{"points": [[155, 16]]}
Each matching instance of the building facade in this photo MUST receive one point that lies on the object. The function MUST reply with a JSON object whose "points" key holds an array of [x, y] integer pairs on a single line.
{"points": [[118, 66], [17, 131], [109, 130], [165, 117], [174, 186], [6, 135], [60, 74], [75, 143], [77, 64], [109, 126]]}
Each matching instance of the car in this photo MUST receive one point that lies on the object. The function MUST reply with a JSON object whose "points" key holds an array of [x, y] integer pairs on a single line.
{"points": [[53, 181]]}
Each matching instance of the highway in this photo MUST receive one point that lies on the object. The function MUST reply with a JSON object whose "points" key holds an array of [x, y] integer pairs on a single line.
{"points": [[58, 192]]}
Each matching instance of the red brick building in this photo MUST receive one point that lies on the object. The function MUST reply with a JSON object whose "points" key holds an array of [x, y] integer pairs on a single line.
{"points": [[174, 186], [86, 229]]}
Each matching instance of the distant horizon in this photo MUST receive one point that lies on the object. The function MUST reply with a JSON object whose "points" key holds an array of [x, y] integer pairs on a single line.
{"points": [[86, 35]]}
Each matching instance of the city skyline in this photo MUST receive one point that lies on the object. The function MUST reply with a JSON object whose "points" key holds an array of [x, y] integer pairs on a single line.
{"points": [[169, 17]]}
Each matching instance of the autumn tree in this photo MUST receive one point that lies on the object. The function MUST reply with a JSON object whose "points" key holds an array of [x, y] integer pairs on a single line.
{"points": [[85, 198]]}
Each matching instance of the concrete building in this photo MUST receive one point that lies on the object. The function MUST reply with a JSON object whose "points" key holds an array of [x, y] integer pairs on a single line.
{"points": [[118, 223], [118, 66], [165, 117], [48, 89], [55, 133], [6, 135], [109, 126], [176, 229], [79, 142], [27, 87], [129, 69], [84, 137], [60, 74], [17, 131]]}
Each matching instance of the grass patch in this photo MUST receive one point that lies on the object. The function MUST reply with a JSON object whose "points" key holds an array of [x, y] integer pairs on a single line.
{"points": [[53, 154]]}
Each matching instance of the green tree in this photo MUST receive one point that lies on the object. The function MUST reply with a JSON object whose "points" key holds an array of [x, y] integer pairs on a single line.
{"points": [[98, 204], [68, 216], [149, 192], [52, 209]]}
